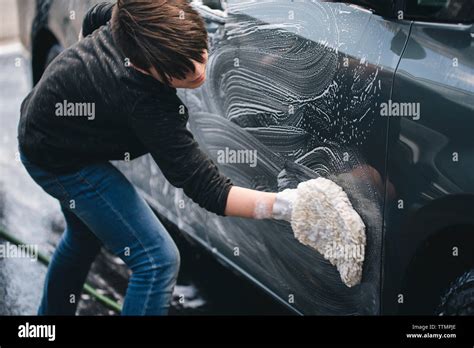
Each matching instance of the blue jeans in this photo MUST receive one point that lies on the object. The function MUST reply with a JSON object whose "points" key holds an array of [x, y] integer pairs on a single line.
{"points": [[102, 208]]}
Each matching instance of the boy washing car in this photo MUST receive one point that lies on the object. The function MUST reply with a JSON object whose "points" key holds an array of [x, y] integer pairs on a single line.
{"points": [[128, 70], [112, 96]]}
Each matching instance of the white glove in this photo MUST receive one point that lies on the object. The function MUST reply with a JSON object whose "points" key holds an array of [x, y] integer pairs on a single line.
{"points": [[283, 206]]}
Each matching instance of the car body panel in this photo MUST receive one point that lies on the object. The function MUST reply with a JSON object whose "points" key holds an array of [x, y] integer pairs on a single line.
{"points": [[431, 158], [292, 98]]}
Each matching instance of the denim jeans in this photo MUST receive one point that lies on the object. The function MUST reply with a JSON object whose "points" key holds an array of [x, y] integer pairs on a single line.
{"points": [[102, 208]]}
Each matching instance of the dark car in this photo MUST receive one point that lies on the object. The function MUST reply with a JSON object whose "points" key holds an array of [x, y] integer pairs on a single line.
{"points": [[377, 95]]}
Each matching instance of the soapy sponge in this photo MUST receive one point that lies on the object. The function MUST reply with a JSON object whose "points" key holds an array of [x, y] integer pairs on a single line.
{"points": [[323, 218]]}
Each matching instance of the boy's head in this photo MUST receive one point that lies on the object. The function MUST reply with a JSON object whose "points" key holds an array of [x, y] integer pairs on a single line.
{"points": [[165, 38]]}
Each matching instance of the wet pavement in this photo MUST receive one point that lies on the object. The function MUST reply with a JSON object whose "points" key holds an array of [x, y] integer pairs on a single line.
{"points": [[204, 286]]}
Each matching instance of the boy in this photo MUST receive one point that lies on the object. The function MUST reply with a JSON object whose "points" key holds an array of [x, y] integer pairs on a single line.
{"points": [[126, 74], [112, 96]]}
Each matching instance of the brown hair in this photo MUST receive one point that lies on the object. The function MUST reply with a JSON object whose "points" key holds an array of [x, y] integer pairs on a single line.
{"points": [[164, 34]]}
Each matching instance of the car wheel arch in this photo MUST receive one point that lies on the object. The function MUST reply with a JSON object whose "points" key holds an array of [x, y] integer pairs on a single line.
{"points": [[440, 234]]}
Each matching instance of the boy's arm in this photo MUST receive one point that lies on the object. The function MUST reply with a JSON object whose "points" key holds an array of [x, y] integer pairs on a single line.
{"points": [[97, 16], [162, 130]]}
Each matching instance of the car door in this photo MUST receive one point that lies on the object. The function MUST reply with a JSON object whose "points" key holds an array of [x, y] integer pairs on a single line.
{"points": [[299, 84], [431, 159]]}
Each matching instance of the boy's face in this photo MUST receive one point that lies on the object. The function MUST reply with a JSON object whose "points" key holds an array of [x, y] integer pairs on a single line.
{"points": [[192, 80]]}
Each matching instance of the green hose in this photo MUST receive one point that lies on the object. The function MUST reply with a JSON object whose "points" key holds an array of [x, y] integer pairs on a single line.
{"points": [[108, 302]]}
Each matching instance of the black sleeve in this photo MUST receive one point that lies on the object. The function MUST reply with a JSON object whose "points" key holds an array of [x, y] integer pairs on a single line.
{"points": [[97, 16], [162, 130]]}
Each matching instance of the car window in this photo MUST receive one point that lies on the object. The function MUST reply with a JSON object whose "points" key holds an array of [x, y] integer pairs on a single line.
{"points": [[459, 11], [384, 8], [214, 4]]}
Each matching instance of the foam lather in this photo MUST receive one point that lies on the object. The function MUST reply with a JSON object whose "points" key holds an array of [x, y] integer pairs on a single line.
{"points": [[324, 219]]}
